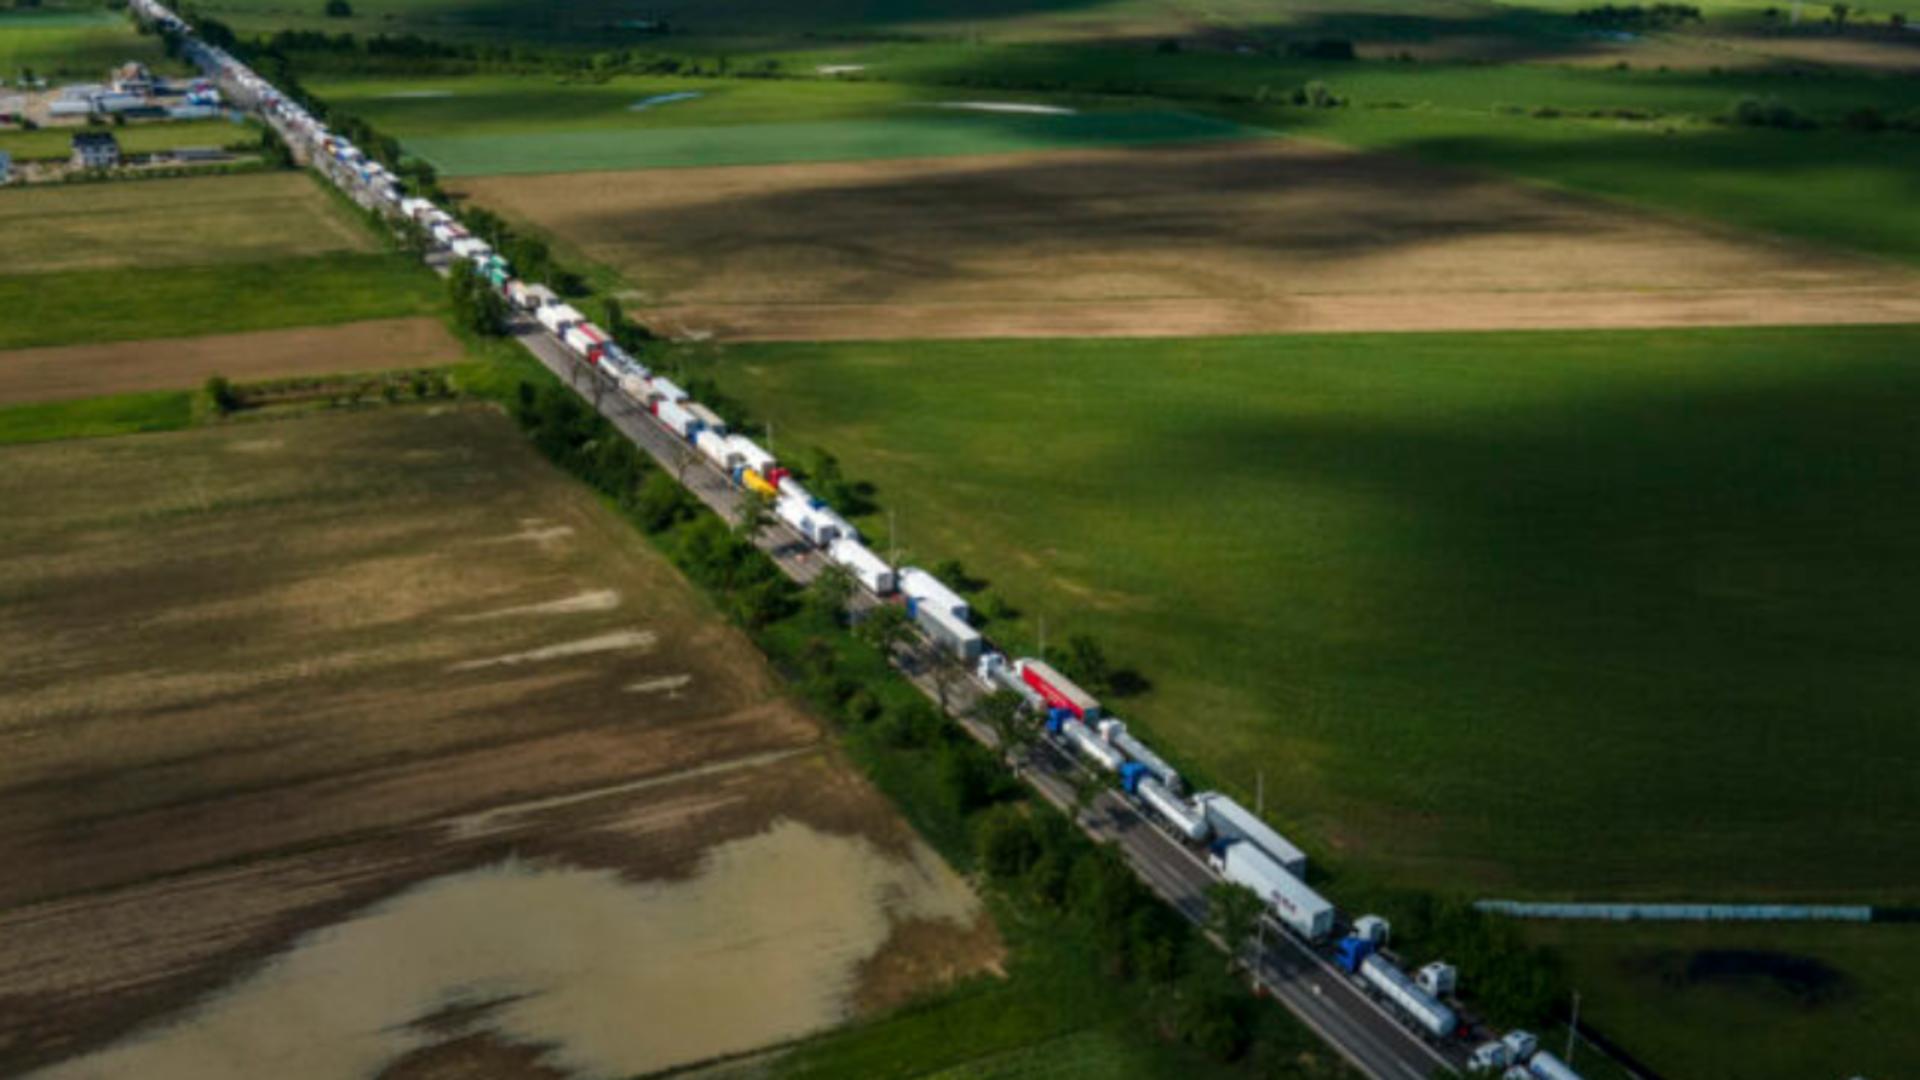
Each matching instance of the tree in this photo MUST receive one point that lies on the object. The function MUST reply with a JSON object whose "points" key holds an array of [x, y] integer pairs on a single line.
{"points": [[751, 515], [1086, 789], [1233, 913], [338, 9], [221, 393], [1002, 711], [1006, 843], [475, 305], [1087, 662], [830, 592], [885, 628]]}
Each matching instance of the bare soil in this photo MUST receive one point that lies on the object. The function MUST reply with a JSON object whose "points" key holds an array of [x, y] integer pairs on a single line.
{"points": [[77, 371], [1266, 236], [240, 711]]}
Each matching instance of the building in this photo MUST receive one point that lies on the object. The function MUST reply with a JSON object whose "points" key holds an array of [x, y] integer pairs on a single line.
{"points": [[6, 167], [95, 150], [133, 78]]}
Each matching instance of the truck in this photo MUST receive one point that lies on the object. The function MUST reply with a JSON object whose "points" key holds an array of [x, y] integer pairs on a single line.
{"points": [[1081, 739], [996, 673], [1297, 907], [751, 455], [867, 568], [947, 631], [1060, 691], [712, 446], [1140, 782], [1114, 730], [1425, 1010], [1229, 818], [923, 589], [678, 419], [708, 418], [557, 317], [1545, 1066], [668, 391]]}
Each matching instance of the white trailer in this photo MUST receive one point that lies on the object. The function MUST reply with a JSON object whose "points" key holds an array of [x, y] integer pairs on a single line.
{"points": [[924, 589], [867, 568], [558, 317], [998, 674], [751, 455], [1115, 731], [712, 446], [948, 632], [1299, 908], [1547, 1067], [1090, 746], [1174, 810], [667, 391], [1422, 1008], [1230, 819], [634, 384], [678, 420], [708, 417]]}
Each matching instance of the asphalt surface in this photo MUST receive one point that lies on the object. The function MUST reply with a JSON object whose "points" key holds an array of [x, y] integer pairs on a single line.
{"points": [[1319, 994]]}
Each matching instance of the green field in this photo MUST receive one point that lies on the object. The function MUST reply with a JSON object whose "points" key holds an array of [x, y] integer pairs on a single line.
{"points": [[1734, 1002], [1550, 614], [57, 142], [71, 41], [931, 135], [122, 414], [128, 305]]}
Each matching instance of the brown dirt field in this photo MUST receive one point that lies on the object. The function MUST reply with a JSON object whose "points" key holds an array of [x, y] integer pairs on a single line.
{"points": [[122, 367], [1253, 237], [269, 678]]}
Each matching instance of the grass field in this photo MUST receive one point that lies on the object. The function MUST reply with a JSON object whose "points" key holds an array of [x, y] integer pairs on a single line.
{"points": [[290, 699], [159, 224], [1726, 1002], [89, 418], [934, 135], [1555, 614], [89, 306], [57, 143], [72, 41], [1240, 237]]}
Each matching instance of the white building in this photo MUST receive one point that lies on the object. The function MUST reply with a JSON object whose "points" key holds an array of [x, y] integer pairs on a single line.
{"points": [[95, 150]]}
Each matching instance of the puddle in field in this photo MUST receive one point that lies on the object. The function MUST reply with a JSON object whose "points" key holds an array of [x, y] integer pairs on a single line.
{"points": [[663, 99], [762, 945]]}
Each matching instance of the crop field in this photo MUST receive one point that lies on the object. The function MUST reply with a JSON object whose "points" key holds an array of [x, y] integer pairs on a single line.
{"points": [[162, 223], [71, 41], [1587, 615], [288, 701], [57, 143], [1239, 237], [1727, 1002], [78, 371]]}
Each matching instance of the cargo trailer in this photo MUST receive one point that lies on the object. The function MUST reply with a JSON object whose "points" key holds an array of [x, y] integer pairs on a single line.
{"points": [[868, 569], [1230, 819], [1081, 739], [923, 588], [1060, 691], [1426, 1011], [712, 446], [751, 455], [1191, 824], [678, 419], [1298, 908], [667, 391], [708, 417], [1115, 731], [1545, 1066], [949, 633]]}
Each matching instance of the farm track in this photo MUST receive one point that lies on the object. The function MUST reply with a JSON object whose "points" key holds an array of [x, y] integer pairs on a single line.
{"points": [[1217, 238], [78, 371]]}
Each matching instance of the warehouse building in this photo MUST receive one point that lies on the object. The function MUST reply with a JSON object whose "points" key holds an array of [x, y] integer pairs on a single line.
{"points": [[95, 150]]}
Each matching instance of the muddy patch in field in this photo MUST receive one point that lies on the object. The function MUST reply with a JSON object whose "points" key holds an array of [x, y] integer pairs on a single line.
{"points": [[1807, 981], [766, 942]]}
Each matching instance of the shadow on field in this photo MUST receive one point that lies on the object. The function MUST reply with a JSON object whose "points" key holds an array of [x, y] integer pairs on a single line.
{"points": [[1197, 211], [1685, 598]]}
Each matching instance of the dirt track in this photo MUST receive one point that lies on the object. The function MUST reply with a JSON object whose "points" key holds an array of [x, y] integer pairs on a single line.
{"points": [[377, 694], [1252, 237], [121, 367]]}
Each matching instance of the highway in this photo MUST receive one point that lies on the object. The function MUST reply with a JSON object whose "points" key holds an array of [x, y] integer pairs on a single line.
{"points": [[1315, 991]]}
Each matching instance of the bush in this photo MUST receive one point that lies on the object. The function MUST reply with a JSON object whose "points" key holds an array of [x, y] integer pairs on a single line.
{"points": [[1769, 112], [222, 394], [1321, 49], [338, 9]]}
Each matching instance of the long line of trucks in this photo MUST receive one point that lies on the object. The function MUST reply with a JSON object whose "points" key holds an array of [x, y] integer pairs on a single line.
{"points": [[1239, 845]]}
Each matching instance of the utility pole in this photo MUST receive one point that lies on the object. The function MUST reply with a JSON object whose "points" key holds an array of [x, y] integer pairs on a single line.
{"points": [[1571, 1026]]}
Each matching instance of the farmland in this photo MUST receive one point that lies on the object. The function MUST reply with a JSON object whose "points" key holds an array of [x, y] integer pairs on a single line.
{"points": [[80, 371], [388, 675], [1449, 593], [57, 143], [160, 223], [70, 40], [1238, 237]]}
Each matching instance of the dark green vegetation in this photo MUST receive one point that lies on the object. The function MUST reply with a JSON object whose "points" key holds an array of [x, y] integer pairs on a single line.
{"points": [[1622, 621], [62, 39], [1719, 1002], [126, 305]]}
